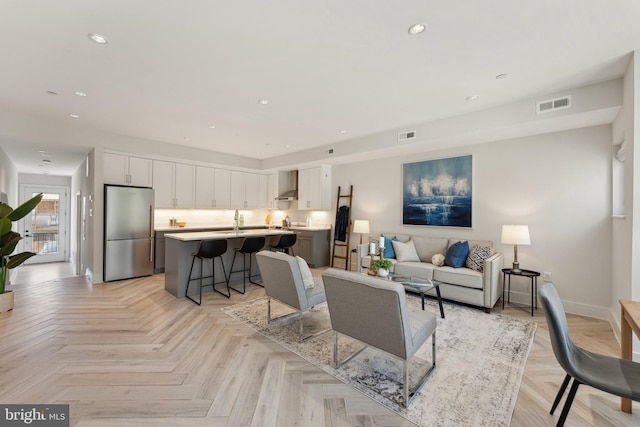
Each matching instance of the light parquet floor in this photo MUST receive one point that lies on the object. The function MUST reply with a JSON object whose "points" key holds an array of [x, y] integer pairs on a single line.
{"points": [[130, 354]]}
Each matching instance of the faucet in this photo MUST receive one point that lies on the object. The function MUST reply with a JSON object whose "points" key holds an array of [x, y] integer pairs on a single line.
{"points": [[236, 228]]}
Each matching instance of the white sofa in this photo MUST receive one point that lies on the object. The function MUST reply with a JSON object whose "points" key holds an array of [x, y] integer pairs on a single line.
{"points": [[482, 289]]}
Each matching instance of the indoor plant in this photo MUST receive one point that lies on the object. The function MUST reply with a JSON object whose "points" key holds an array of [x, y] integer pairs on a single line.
{"points": [[8, 241], [382, 266]]}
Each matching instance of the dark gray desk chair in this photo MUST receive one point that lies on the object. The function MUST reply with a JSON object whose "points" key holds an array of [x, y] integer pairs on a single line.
{"points": [[610, 374]]}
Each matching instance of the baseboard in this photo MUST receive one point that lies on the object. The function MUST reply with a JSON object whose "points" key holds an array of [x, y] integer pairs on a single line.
{"points": [[569, 306]]}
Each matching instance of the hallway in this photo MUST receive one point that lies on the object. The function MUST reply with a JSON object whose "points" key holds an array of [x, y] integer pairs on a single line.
{"points": [[38, 273]]}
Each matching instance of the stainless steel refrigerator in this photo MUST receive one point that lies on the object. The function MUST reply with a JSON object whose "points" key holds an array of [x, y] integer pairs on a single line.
{"points": [[128, 232]]}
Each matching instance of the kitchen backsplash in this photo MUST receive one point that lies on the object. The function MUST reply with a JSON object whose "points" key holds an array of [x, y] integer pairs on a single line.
{"points": [[252, 217]]}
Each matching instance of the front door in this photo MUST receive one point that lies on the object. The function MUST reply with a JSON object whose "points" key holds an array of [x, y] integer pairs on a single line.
{"points": [[45, 228]]}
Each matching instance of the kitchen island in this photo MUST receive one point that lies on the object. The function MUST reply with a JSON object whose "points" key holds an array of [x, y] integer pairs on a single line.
{"points": [[180, 246]]}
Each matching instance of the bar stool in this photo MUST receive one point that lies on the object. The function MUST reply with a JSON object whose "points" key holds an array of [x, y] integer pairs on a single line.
{"points": [[209, 249], [285, 243], [250, 245]]}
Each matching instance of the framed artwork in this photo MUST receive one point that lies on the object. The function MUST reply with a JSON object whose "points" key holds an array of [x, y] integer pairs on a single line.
{"points": [[438, 192]]}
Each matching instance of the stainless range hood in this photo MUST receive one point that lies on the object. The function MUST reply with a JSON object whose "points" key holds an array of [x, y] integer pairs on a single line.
{"points": [[287, 186]]}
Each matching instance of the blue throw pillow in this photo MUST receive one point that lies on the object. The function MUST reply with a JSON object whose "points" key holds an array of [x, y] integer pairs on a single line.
{"points": [[457, 254], [388, 247]]}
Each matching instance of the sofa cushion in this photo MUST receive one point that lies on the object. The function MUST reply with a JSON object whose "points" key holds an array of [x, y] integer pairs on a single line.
{"points": [[457, 254], [458, 276], [477, 255], [405, 251], [389, 251], [427, 247], [472, 243], [422, 270]]}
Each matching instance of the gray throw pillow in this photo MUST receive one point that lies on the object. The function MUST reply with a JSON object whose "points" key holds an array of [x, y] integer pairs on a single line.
{"points": [[405, 251]]}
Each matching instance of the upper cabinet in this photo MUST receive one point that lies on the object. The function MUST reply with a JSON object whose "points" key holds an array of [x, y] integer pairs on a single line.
{"points": [[212, 188], [245, 190], [127, 170], [174, 184], [314, 188]]}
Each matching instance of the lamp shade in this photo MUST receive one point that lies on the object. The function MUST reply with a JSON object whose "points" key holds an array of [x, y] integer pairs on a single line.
{"points": [[516, 234], [361, 226]]}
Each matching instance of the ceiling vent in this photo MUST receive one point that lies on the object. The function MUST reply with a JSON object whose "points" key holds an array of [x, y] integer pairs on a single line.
{"points": [[553, 104], [405, 136]]}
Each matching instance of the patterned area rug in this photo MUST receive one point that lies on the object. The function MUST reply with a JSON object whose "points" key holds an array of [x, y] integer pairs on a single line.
{"points": [[479, 361]]}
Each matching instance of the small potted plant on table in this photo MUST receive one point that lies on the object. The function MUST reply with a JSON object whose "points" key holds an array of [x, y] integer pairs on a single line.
{"points": [[382, 267], [8, 241]]}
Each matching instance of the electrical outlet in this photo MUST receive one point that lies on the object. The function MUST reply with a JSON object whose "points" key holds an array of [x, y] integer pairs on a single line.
{"points": [[546, 276]]}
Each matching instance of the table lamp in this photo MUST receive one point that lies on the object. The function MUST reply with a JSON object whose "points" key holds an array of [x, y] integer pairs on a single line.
{"points": [[515, 235], [361, 226]]}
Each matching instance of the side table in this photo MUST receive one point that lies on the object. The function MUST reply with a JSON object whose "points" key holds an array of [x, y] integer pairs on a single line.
{"points": [[533, 275]]}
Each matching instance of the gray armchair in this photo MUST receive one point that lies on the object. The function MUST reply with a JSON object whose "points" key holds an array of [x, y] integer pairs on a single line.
{"points": [[374, 312], [283, 281], [609, 374]]}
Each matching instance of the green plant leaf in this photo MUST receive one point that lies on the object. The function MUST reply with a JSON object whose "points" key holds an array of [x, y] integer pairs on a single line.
{"points": [[22, 210], [5, 226], [18, 259], [8, 243], [5, 210]]}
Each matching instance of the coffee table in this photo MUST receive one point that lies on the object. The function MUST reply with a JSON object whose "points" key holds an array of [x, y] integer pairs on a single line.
{"points": [[422, 286]]}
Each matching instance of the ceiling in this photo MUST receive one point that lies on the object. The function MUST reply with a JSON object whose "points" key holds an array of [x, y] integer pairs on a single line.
{"points": [[331, 70]]}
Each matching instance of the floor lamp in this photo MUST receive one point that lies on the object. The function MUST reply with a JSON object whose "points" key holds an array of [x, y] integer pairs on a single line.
{"points": [[361, 226]]}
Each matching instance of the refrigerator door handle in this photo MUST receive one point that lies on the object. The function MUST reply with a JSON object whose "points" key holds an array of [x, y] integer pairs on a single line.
{"points": [[150, 220], [151, 250]]}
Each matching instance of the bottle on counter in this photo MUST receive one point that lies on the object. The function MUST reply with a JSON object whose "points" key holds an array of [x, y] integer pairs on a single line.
{"points": [[241, 220], [308, 222], [267, 220], [287, 224]]}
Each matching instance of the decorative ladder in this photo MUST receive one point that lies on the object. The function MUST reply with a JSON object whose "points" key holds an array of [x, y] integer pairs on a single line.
{"points": [[348, 199]]}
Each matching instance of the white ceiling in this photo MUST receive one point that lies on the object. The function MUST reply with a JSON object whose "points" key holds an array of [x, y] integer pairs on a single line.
{"points": [[172, 68]]}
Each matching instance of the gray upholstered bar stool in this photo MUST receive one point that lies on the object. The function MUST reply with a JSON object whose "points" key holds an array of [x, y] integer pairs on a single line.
{"points": [[285, 243], [209, 249], [250, 245]]}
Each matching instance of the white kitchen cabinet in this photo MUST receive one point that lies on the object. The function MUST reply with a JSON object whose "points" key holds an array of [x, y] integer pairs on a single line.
{"points": [[245, 190], [314, 188], [127, 170], [222, 188], [174, 184], [263, 201], [212, 188]]}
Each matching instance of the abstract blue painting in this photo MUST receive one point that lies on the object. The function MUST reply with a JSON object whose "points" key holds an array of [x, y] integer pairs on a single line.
{"points": [[437, 192]]}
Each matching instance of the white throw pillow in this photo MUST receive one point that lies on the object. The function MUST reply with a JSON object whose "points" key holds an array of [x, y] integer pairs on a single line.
{"points": [[405, 251], [307, 277]]}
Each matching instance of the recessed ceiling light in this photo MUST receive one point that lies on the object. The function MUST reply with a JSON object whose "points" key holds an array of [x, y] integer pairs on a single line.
{"points": [[343, 131], [288, 146], [186, 138], [212, 126], [263, 101], [473, 97], [416, 29], [74, 116], [42, 151], [501, 76], [98, 38], [80, 93], [50, 92]]}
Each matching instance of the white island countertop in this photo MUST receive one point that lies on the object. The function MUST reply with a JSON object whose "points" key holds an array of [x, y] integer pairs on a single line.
{"points": [[226, 234]]}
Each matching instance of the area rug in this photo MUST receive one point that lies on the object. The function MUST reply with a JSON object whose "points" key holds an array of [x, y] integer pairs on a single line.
{"points": [[479, 362]]}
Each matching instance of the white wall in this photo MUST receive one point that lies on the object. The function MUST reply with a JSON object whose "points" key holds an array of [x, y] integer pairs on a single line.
{"points": [[8, 179], [557, 183]]}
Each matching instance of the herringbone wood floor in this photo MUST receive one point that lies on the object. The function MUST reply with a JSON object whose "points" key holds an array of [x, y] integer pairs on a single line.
{"points": [[130, 354]]}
